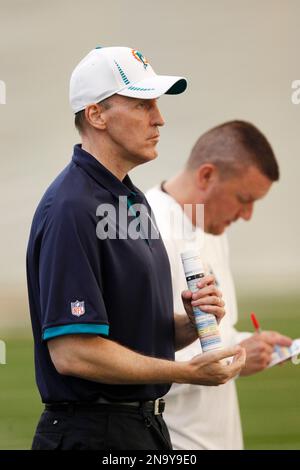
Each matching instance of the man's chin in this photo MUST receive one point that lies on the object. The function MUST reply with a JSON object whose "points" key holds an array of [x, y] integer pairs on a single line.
{"points": [[216, 230], [148, 157]]}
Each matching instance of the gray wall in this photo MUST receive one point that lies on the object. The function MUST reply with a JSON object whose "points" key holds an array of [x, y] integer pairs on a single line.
{"points": [[240, 58]]}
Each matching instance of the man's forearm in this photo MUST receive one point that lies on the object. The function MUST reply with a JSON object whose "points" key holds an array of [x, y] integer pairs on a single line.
{"points": [[103, 360], [185, 331]]}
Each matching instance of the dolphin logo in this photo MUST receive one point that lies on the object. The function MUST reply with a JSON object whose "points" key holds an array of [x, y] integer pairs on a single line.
{"points": [[139, 56]]}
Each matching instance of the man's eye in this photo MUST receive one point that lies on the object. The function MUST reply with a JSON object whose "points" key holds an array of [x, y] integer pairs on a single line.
{"points": [[243, 200]]}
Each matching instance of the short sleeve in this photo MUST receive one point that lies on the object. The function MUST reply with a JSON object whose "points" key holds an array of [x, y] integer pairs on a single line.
{"points": [[70, 274]]}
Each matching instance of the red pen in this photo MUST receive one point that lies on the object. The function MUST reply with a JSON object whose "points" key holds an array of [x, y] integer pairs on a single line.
{"points": [[255, 323], [258, 330]]}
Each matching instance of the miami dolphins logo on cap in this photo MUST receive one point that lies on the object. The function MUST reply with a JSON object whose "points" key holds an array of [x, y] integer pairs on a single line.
{"points": [[139, 56]]}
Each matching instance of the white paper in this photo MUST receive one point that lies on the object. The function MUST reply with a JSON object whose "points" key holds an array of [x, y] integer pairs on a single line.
{"points": [[281, 353]]}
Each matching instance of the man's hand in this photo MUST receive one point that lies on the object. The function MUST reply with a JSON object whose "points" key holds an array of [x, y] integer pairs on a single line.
{"points": [[210, 369], [259, 348], [208, 299]]}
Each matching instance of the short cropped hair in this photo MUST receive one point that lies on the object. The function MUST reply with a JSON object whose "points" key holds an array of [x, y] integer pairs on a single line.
{"points": [[232, 146]]}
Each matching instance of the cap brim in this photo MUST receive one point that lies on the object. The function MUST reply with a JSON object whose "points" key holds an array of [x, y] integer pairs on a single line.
{"points": [[155, 86]]}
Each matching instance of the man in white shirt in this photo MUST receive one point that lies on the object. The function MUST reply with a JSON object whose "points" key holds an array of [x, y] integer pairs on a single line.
{"points": [[230, 167]]}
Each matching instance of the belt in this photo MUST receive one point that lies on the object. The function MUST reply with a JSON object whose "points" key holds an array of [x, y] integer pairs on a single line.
{"points": [[155, 407]]}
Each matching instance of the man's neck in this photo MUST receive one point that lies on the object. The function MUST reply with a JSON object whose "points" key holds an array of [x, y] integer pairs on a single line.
{"points": [[181, 188], [115, 164]]}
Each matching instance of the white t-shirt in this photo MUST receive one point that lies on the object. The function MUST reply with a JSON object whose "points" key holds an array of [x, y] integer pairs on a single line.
{"points": [[200, 417]]}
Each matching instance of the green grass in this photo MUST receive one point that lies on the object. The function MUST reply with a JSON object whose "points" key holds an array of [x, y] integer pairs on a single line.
{"points": [[20, 405], [269, 401]]}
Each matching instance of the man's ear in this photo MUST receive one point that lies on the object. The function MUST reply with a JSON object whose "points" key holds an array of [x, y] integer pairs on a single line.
{"points": [[206, 175], [95, 116]]}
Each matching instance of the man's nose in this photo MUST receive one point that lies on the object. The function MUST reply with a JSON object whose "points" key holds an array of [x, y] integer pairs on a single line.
{"points": [[157, 119]]}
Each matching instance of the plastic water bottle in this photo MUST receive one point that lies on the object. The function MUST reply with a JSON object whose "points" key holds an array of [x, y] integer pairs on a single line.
{"points": [[206, 323]]}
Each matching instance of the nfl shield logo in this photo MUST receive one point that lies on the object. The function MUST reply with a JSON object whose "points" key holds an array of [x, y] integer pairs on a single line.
{"points": [[77, 308]]}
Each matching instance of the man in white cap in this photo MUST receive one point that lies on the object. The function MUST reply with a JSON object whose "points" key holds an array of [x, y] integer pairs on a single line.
{"points": [[99, 283], [229, 168]]}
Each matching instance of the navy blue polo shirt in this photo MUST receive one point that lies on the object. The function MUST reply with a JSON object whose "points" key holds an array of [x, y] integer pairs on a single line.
{"points": [[79, 283]]}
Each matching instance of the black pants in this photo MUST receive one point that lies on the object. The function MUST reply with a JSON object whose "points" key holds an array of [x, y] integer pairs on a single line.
{"points": [[104, 427]]}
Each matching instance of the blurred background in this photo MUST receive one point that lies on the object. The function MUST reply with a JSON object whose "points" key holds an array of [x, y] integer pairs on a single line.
{"points": [[240, 59]]}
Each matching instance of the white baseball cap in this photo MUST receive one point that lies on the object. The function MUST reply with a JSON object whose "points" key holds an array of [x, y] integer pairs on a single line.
{"points": [[108, 70]]}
